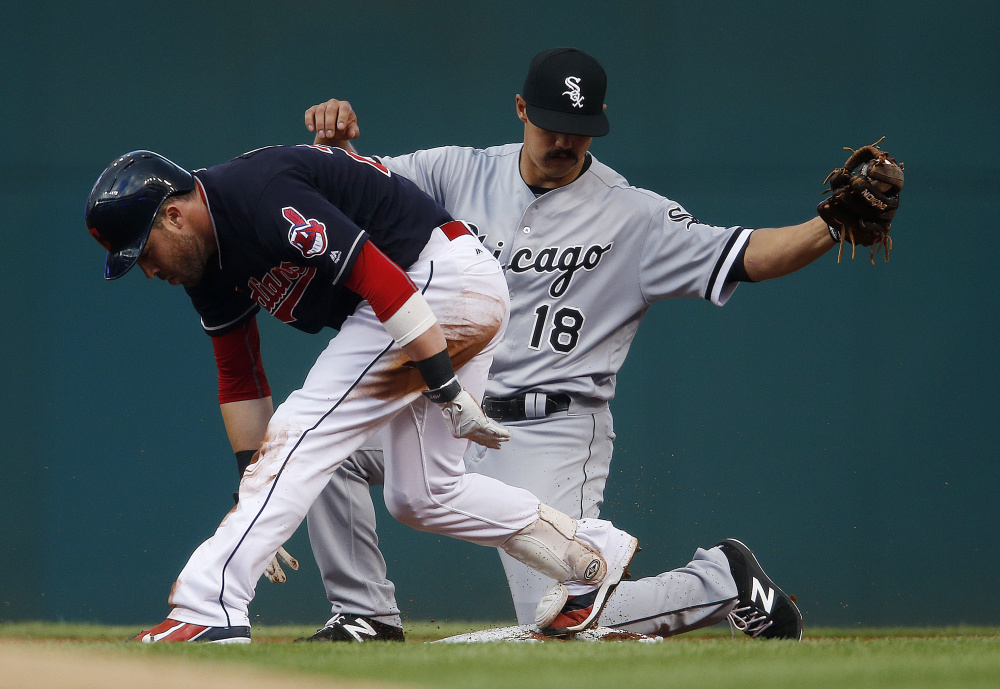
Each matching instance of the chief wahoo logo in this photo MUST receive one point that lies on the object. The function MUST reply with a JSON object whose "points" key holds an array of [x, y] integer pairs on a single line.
{"points": [[308, 236]]}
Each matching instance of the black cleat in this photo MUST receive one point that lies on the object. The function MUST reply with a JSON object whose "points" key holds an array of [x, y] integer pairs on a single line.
{"points": [[355, 629], [764, 611]]}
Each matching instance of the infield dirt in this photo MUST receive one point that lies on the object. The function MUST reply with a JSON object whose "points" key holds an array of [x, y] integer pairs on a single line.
{"points": [[50, 664]]}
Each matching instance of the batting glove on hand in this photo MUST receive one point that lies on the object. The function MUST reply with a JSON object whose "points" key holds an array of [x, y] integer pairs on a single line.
{"points": [[274, 572], [466, 419]]}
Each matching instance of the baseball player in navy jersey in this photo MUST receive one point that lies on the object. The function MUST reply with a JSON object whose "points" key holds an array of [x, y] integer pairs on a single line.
{"points": [[320, 237], [585, 255]]}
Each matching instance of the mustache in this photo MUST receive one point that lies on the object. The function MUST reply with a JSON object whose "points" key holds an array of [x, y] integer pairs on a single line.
{"points": [[560, 154]]}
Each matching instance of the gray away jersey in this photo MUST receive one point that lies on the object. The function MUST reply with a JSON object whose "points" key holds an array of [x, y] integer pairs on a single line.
{"points": [[583, 262]]}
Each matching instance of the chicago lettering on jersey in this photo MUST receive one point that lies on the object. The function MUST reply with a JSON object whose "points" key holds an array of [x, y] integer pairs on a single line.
{"points": [[281, 289], [566, 262]]}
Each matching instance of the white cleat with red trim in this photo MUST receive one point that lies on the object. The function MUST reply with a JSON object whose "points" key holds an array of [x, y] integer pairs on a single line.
{"points": [[173, 631], [561, 614]]}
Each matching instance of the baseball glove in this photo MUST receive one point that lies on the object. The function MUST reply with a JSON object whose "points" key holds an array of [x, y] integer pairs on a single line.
{"points": [[864, 196]]}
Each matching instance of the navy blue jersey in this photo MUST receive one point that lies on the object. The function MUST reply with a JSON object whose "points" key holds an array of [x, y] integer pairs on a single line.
{"points": [[290, 221]]}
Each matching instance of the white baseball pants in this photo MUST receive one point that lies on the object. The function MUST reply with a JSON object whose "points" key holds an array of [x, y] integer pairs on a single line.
{"points": [[357, 386]]}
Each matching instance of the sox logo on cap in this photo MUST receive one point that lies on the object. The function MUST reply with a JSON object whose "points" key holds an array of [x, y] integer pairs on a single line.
{"points": [[573, 84]]}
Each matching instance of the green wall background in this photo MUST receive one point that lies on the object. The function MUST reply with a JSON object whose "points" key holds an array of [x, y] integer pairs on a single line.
{"points": [[841, 420]]}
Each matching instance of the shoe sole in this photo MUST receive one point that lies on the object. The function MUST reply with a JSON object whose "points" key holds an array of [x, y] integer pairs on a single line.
{"points": [[234, 640], [745, 551], [624, 553]]}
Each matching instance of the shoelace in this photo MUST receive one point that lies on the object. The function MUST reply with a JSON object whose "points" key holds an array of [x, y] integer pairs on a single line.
{"points": [[749, 620], [334, 621]]}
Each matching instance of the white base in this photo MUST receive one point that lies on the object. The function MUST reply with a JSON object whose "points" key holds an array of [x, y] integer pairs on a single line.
{"points": [[529, 633]]}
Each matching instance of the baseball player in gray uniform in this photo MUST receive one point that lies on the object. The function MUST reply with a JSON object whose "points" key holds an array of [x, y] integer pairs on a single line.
{"points": [[585, 255]]}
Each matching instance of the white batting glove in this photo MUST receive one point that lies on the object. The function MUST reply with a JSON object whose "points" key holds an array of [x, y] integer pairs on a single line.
{"points": [[466, 419], [274, 572]]}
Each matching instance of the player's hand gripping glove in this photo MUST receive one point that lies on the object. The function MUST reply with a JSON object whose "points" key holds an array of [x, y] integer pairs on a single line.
{"points": [[464, 417], [864, 196], [274, 572]]}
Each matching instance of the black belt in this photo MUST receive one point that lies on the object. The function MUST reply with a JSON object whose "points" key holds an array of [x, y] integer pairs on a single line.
{"points": [[530, 405]]}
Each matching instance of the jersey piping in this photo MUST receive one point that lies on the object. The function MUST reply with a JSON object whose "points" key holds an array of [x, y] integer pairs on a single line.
{"points": [[590, 456], [719, 289], [211, 217], [351, 256], [242, 316], [714, 604]]}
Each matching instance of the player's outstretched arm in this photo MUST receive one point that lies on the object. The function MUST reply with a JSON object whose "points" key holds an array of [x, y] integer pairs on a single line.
{"points": [[333, 123], [864, 196], [776, 251]]}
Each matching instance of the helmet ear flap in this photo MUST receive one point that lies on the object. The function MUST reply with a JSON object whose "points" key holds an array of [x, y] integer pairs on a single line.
{"points": [[124, 202]]}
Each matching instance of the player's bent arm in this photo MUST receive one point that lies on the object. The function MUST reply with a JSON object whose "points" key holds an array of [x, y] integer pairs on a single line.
{"points": [[775, 251], [408, 319], [400, 307], [463, 415]]}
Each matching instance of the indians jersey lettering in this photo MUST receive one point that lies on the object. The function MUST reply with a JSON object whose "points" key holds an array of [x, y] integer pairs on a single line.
{"points": [[281, 289]]}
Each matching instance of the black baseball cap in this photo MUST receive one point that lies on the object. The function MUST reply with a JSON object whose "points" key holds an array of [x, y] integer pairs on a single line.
{"points": [[564, 91], [124, 202]]}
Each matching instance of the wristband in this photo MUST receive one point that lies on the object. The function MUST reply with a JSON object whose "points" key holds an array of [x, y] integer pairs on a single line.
{"points": [[446, 393], [244, 458], [439, 375]]}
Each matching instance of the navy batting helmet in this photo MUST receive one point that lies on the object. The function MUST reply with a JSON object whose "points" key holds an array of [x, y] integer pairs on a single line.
{"points": [[126, 199]]}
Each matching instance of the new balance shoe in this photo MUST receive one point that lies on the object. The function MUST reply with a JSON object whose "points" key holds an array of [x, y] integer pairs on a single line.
{"points": [[559, 614], [356, 629], [173, 631], [763, 611]]}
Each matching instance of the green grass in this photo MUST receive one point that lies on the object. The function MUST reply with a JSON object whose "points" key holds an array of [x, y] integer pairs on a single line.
{"points": [[911, 658]]}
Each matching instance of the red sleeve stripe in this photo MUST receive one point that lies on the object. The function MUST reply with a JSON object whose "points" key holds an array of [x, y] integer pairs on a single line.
{"points": [[241, 369], [380, 281]]}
